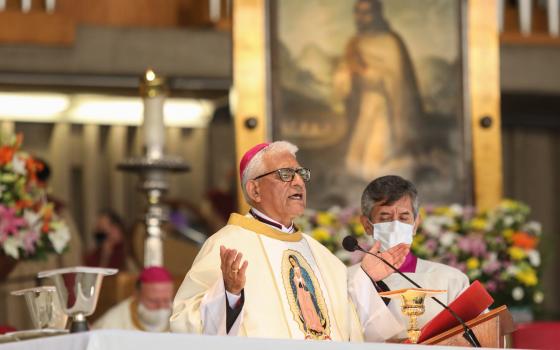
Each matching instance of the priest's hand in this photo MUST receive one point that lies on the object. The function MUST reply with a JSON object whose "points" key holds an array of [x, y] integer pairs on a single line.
{"points": [[375, 268], [232, 272]]}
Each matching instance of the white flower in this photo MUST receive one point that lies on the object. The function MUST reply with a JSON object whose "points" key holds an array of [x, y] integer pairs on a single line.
{"points": [[534, 257], [32, 218], [474, 274], [19, 166], [512, 270], [60, 237], [11, 247], [533, 227], [538, 297], [517, 293], [456, 209], [343, 232], [508, 221], [334, 210], [433, 224], [447, 239]]}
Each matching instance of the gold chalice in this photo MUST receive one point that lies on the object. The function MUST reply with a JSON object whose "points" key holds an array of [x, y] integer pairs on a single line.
{"points": [[412, 305]]}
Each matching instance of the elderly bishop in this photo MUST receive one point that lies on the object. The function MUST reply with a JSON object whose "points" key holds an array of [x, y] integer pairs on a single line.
{"points": [[259, 276]]}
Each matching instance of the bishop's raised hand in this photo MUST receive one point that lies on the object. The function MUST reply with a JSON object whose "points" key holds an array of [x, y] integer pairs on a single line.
{"points": [[233, 272]]}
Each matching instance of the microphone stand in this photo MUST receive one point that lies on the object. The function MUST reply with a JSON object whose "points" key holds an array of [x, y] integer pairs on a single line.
{"points": [[468, 334]]}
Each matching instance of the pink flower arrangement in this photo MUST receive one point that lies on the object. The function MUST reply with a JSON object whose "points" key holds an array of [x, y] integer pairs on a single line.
{"points": [[29, 226], [498, 247]]}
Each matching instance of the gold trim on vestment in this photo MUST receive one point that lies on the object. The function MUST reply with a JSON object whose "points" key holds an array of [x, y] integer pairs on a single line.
{"points": [[258, 227], [134, 315]]}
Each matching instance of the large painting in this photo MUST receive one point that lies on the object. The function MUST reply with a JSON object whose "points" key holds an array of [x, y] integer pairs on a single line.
{"points": [[367, 88]]}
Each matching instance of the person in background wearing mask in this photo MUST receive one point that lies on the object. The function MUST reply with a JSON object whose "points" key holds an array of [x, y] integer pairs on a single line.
{"points": [[110, 243], [148, 309], [390, 213]]}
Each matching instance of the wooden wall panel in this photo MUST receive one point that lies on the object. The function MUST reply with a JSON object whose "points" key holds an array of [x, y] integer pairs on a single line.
{"points": [[145, 13], [193, 13], [484, 101], [249, 77], [36, 28], [59, 27]]}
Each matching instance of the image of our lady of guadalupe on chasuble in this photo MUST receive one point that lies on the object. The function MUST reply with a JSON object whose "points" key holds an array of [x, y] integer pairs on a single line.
{"points": [[304, 296]]}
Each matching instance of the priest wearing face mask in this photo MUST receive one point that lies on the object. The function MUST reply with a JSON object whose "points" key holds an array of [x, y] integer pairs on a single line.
{"points": [[148, 309], [390, 214]]}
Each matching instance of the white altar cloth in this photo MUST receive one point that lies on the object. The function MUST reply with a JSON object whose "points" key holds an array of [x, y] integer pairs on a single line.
{"points": [[122, 340]]}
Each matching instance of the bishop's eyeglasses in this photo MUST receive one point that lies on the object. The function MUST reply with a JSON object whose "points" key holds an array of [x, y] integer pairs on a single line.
{"points": [[288, 174]]}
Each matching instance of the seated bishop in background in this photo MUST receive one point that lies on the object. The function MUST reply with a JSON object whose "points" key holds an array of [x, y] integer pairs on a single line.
{"points": [[148, 309], [390, 213], [289, 285]]}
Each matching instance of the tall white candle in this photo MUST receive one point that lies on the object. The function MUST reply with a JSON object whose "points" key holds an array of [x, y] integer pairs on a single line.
{"points": [[154, 128], [153, 92]]}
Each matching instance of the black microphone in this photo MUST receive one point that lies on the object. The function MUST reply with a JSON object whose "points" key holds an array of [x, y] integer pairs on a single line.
{"points": [[350, 243]]}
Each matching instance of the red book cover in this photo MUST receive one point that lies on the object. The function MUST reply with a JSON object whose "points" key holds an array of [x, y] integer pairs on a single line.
{"points": [[468, 305]]}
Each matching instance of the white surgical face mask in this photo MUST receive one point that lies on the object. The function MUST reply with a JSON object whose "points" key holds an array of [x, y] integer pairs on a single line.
{"points": [[154, 320], [392, 233]]}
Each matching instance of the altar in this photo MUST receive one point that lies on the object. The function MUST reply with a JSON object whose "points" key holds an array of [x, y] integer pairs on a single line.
{"points": [[119, 340]]}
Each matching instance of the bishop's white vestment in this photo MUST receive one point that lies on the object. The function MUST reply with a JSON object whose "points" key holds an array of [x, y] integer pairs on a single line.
{"points": [[295, 288], [124, 315]]}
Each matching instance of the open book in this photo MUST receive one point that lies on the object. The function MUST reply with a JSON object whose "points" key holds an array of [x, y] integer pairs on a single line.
{"points": [[468, 305]]}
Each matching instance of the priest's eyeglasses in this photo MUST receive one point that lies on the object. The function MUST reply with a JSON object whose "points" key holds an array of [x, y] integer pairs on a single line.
{"points": [[288, 174]]}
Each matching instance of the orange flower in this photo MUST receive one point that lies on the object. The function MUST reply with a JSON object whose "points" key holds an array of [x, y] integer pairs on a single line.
{"points": [[47, 217], [524, 240], [23, 203], [48, 212], [32, 167], [6, 154], [46, 227]]}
